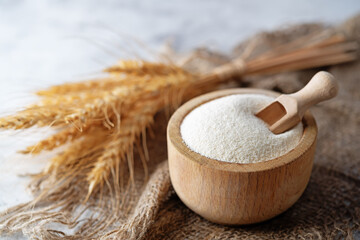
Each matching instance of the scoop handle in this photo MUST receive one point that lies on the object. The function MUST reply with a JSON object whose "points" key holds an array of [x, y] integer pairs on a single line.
{"points": [[321, 87]]}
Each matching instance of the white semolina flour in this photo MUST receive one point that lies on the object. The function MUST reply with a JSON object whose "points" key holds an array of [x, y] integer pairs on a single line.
{"points": [[226, 129]]}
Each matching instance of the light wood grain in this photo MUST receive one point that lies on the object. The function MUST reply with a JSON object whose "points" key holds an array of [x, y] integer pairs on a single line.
{"points": [[232, 193], [287, 110]]}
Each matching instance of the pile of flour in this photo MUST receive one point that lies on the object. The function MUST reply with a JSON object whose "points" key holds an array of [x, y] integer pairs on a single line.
{"points": [[226, 129]]}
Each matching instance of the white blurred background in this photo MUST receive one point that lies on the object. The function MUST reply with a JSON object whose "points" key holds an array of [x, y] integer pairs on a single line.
{"points": [[49, 42]]}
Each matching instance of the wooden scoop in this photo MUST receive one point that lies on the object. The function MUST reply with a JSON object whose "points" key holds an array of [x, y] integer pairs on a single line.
{"points": [[288, 109]]}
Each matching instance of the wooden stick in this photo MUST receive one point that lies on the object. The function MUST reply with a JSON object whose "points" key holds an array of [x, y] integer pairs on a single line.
{"points": [[304, 54], [316, 62], [303, 43]]}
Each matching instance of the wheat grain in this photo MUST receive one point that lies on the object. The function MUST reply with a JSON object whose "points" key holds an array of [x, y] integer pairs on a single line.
{"points": [[65, 135], [104, 118]]}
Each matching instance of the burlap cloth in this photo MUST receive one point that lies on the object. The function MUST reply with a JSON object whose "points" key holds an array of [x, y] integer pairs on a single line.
{"points": [[329, 207]]}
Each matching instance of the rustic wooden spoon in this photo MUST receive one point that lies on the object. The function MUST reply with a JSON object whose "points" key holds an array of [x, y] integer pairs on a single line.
{"points": [[288, 109]]}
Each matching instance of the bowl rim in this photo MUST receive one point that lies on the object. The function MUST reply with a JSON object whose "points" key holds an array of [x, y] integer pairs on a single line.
{"points": [[174, 135]]}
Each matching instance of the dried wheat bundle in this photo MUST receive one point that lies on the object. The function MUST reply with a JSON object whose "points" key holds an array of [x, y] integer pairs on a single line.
{"points": [[103, 121], [105, 117]]}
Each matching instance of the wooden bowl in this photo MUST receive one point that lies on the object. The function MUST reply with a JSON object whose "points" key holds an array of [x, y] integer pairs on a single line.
{"points": [[234, 193]]}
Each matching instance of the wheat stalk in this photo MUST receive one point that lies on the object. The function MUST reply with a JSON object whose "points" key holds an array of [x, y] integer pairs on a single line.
{"points": [[105, 118]]}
